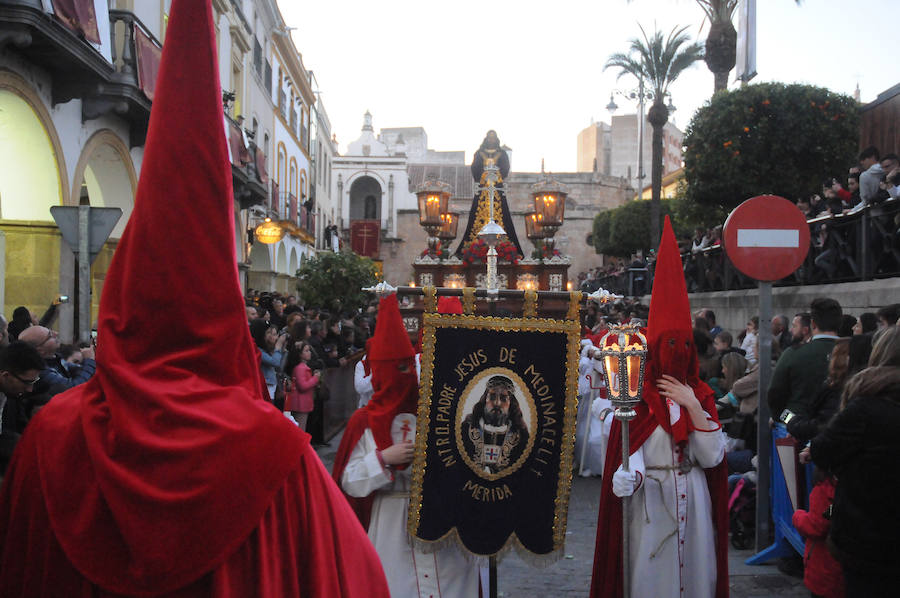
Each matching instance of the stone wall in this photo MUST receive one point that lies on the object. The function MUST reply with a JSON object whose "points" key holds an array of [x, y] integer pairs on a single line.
{"points": [[734, 308]]}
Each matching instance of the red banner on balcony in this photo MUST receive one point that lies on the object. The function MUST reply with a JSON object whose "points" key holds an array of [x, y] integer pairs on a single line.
{"points": [[261, 166], [293, 208], [148, 57], [274, 205], [79, 16], [364, 237], [240, 154]]}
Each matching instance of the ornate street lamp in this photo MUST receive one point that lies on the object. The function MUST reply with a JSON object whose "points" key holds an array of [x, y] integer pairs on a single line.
{"points": [[550, 204], [434, 199], [624, 353]]}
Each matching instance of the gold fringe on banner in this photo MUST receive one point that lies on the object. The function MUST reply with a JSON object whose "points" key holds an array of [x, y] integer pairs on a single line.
{"points": [[574, 305], [430, 299], [468, 300], [529, 308]]}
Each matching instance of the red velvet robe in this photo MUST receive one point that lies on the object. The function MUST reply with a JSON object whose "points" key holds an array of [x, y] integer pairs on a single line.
{"points": [[308, 542]]}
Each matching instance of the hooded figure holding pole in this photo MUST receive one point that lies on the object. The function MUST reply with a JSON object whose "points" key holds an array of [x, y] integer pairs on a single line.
{"points": [[372, 467], [167, 474], [677, 478]]}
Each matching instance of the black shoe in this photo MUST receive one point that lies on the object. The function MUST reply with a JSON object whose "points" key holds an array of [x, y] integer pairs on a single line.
{"points": [[791, 565]]}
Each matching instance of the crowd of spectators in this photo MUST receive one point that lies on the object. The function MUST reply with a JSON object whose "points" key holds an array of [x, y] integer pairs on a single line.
{"points": [[816, 359], [834, 251], [297, 344], [34, 367], [834, 375]]}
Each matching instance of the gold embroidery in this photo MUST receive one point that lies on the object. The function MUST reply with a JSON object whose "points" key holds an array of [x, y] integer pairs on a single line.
{"points": [[468, 300], [430, 294], [529, 308]]}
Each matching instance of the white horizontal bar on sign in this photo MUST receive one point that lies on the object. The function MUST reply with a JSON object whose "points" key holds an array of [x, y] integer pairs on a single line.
{"points": [[768, 237]]}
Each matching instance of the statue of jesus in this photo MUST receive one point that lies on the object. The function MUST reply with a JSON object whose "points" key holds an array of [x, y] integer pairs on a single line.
{"points": [[489, 154]]}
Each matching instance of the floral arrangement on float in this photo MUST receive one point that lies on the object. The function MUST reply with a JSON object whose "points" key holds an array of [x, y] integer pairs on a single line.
{"points": [[543, 251], [441, 251], [476, 252]]}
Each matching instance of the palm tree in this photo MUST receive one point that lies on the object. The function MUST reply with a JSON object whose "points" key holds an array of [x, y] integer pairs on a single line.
{"points": [[721, 42], [657, 61]]}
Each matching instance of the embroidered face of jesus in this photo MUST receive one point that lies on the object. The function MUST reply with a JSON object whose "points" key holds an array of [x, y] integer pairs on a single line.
{"points": [[496, 412]]}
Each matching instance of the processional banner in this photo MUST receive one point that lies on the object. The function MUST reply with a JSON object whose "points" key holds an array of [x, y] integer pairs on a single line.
{"points": [[495, 432]]}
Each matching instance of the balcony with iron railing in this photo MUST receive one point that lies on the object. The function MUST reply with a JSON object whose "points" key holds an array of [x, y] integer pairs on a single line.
{"points": [[297, 217], [248, 166], [65, 44]]}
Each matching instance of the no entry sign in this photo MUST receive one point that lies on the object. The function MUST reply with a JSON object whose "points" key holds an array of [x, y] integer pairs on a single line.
{"points": [[766, 237]]}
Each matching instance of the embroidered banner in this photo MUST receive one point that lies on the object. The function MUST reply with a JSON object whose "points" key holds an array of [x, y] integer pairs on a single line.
{"points": [[364, 237], [495, 433]]}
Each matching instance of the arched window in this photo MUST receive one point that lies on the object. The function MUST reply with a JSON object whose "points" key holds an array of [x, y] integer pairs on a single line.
{"points": [[303, 194], [280, 174], [292, 179]]}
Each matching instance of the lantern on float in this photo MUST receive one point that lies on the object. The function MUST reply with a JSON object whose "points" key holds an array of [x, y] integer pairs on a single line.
{"points": [[434, 200]]}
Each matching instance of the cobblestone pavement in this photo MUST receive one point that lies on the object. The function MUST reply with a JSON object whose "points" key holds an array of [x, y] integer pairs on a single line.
{"points": [[570, 577]]}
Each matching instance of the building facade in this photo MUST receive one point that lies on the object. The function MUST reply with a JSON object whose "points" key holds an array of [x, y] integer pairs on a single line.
{"points": [[613, 149], [378, 175], [75, 98]]}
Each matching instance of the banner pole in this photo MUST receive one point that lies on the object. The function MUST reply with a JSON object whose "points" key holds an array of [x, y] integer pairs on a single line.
{"points": [[492, 576]]}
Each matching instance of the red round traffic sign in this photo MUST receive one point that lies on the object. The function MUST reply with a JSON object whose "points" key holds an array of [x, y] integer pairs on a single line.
{"points": [[766, 237]]}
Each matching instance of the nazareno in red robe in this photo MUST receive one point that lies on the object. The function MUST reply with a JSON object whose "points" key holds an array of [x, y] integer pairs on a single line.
{"points": [[167, 474], [672, 352]]}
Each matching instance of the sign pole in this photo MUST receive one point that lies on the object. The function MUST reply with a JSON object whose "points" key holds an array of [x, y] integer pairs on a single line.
{"points": [[84, 273], [763, 432], [766, 238]]}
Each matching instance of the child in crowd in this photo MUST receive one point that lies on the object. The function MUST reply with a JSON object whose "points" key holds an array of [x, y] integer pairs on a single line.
{"points": [[822, 573], [299, 399]]}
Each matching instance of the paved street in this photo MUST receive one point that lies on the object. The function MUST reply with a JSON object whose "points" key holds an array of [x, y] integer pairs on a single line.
{"points": [[571, 575]]}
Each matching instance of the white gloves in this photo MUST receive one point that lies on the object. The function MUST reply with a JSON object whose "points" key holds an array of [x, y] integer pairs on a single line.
{"points": [[624, 483]]}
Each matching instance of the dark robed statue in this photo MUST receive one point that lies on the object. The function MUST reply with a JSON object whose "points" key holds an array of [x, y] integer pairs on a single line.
{"points": [[489, 154]]}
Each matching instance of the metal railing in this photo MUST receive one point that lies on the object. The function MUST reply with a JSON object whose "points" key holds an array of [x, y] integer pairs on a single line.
{"points": [[843, 248]]}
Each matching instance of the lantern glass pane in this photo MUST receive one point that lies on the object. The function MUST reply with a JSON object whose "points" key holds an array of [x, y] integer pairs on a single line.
{"points": [[634, 375], [612, 375]]}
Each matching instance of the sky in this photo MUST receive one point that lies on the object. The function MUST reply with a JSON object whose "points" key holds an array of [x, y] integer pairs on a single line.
{"points": [[533, 71]]}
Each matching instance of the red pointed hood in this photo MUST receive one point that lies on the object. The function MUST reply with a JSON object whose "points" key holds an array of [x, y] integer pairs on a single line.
{"points": [[390, 340], [175, 431], [670, 333]]}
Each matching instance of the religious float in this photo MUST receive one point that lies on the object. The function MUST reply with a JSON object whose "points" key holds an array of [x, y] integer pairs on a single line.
{"points": [[489, 255]]}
